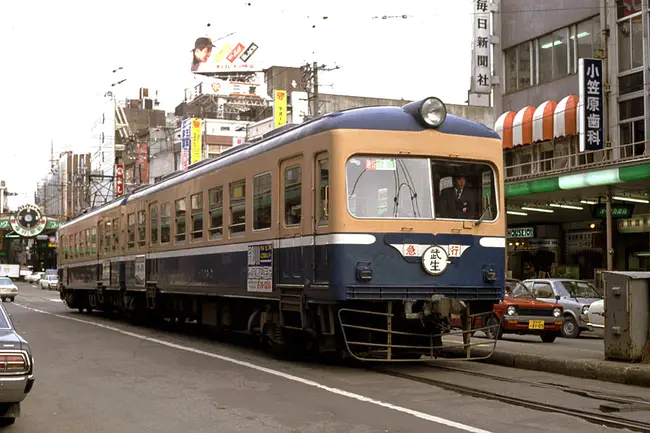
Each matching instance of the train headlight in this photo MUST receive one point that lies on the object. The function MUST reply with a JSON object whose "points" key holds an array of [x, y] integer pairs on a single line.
{"points": [[433, 112], [512, 310], [557, 312]]}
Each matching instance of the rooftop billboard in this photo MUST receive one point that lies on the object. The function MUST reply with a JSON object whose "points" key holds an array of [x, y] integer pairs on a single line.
{"points": [[228, 54]]}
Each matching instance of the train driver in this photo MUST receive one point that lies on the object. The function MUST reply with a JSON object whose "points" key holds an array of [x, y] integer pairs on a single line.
{"points": [[458, 201]]}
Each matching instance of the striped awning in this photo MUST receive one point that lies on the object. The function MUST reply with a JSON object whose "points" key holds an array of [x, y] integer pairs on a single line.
{"points": [[566, 119], [522, 127], [534, 124], [503, 127], [543, 120]]}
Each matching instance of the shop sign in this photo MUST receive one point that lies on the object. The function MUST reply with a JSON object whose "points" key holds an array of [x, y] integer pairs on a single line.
{"points": [[521, 232], [481, 53], [28, 221], [618, 210], [543, 243], [590, 77], [636, 224]]}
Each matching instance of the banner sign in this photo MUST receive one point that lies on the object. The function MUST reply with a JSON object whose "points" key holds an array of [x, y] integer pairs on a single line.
{"points": [[280, 108], [119, 179], [590, 113], [185, 143], [197, 142], [481, 54]]}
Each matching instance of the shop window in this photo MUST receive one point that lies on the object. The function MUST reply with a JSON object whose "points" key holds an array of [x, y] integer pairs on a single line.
{"points": [[262, 202], [216, 212], [197, 216], [165, 223], [237, 207], [180, 219]]}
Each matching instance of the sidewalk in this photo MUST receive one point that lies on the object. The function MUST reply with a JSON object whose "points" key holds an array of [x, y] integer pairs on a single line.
{"points": [[583, 358]]}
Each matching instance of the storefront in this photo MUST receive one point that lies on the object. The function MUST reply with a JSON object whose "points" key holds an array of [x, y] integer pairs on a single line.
{"points": [[529, 254], [634, 241]]}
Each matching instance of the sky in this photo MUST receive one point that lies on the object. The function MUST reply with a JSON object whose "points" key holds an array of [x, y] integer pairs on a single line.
{"points": [[58, 59]]}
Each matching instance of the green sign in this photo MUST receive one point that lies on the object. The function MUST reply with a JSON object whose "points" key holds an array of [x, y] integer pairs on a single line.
{"points": [[521, 232], [618, 210], [4, 223]]}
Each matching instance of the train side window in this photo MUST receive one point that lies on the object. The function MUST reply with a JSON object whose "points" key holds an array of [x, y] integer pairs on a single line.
{"points": [[180, 219], [215, 196], [86, 242], [130, 242], [237, 207], [142, 228], [68, 250], [165, 223], [93, 240], [116, 234], [323, 191], [292, 195], [107, 237], [262, 201], [153, 215], [197, 216]]}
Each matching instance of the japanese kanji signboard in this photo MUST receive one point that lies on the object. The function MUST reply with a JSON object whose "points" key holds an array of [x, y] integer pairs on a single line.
{"points": [[481, 64], [590, 113]]}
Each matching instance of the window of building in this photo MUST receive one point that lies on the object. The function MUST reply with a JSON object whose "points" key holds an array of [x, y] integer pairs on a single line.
{"points": [[292, 195], [630, 83], [130, 243], [323, 191], [630, 108], [560, 53], [237, 207], [153, 230], [215, 196], [165, 223], [262, 201], [588, 38], [524, 65], [142, 228], [510, 61], [197, 216], [180, 219], [545, 58]]}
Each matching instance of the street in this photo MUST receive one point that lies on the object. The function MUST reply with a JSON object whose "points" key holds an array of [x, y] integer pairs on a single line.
{"points": [[95, 374]]}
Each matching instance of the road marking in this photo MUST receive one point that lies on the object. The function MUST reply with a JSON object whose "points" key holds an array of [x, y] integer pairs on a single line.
{"points": [[417, 414], [56, 300]]}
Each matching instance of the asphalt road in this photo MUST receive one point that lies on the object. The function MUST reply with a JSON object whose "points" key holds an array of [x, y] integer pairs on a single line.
{"points": [[96, 374]]}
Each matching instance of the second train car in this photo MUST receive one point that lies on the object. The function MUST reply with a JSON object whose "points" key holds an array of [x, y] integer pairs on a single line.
{"points": [[360, 232]]}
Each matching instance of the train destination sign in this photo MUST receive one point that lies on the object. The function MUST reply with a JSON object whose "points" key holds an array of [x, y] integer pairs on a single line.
{"points": [[28, 221]]}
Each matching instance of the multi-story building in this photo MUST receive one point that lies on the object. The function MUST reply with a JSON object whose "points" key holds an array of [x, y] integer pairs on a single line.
{"points": [[65, 191], [577, 159]]}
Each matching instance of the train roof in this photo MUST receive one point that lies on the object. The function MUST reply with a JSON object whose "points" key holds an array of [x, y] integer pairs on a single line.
{"points": [[382, 118]]}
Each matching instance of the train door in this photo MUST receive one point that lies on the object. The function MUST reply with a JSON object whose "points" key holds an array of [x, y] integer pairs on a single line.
{"points": [[291, 265], [320, 262]]}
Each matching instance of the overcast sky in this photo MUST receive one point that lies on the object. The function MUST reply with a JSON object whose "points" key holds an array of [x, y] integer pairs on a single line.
{"points": [[58, 57]]}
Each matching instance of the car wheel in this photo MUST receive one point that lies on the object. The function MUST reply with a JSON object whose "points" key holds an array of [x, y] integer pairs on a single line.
{"points": [[492, 325], [570, 328], [4, 299], [4, 422], [548, 337]]}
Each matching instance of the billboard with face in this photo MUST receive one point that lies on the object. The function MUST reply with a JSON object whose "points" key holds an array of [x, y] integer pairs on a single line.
{"points": [[228, 54]]}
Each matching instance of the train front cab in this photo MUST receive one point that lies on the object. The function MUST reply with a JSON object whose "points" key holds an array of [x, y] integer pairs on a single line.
{"points": [[410, 257]]}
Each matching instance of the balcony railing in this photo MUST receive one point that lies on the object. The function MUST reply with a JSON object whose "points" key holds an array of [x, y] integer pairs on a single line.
{"points": [[574, 161]]}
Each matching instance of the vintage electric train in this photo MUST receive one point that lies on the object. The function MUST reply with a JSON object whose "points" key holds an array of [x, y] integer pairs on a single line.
{"points": [[343, 234]]}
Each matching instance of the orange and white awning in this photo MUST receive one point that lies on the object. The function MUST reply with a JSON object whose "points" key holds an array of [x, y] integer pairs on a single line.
{"points": [[546, 122], [543, 120], [522, 127], [566, 118], [503, 127]]}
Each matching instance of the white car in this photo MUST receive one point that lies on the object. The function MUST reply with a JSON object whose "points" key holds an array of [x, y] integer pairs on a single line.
{"points": [[50, 282], [33, 278], [596, 316], [8, 289]]}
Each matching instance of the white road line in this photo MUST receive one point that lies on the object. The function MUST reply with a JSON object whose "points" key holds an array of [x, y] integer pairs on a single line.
{"points": [[287, 376], [56, 300]]}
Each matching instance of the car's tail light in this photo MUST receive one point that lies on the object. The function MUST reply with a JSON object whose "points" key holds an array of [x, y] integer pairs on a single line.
{"points": [[13, 363]]}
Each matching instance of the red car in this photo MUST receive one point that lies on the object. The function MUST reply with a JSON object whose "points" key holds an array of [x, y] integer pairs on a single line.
{"points": [[520, 313]]}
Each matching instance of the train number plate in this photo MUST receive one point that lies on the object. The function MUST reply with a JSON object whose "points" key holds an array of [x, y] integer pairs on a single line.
{"points": [[535, 324]]}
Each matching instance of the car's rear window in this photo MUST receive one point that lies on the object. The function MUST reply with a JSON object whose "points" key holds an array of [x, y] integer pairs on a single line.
{"points": [[3, 321], [5, 282]]}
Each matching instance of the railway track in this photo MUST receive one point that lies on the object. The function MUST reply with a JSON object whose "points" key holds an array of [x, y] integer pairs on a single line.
{"points": [[602, 419]]}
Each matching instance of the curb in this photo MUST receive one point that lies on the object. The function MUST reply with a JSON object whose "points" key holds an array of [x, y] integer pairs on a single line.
{"points": [[608, 371]]}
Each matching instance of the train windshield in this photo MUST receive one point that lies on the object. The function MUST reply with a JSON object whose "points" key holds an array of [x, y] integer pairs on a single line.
{"points": [[412, 188]]}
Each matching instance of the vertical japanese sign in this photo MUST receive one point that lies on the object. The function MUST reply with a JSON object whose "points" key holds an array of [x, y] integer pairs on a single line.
{"points": [[185, 143], [482, 72], [279, 108], [260, 268], [119, 179], [197, 142], [590, 77]]}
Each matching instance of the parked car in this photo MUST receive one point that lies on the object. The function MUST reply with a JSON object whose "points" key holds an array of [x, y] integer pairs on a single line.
{"points": [[49, 282], [8, 289], [575, 297], [16, 369], [596, 316], [520, 313]]}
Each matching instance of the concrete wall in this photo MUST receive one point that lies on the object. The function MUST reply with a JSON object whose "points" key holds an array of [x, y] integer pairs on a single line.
{"points": [[522, 20], [554, 90]]}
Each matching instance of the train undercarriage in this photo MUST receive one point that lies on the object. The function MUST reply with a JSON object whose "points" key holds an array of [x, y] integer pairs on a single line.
{"points": [[386, 331]]}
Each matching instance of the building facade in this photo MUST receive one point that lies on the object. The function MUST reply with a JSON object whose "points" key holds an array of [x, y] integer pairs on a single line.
{"points": [[576, 184]]}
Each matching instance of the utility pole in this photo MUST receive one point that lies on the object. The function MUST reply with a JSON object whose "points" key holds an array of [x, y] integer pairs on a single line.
{"points": [[316, 108], [310, 81]]}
